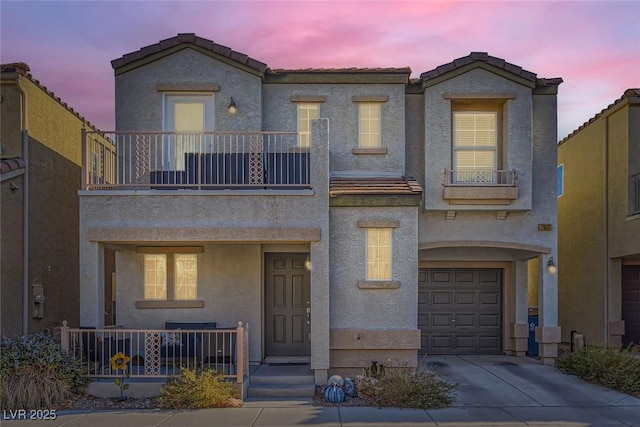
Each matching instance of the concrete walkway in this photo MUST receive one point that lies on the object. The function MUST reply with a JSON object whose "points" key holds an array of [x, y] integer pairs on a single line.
{"points": [[494, 391]]}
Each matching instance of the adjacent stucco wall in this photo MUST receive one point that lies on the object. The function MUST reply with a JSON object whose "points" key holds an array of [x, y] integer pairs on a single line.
{"points": [[582, 241], [280, 114], [11, 247], [139, 105], [596, 230]]}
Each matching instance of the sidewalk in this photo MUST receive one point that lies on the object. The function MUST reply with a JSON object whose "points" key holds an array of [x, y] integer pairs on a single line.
{"points": [[493, 391]]}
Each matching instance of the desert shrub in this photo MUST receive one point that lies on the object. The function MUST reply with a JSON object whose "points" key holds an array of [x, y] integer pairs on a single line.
{"points": [[36, 373], [198, 389], [405, 387], [618, 369]]}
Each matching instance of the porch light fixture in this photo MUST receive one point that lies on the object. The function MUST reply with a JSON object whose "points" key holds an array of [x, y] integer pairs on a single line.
{"points": [[551, 267], [307, 264], [232, 107]]}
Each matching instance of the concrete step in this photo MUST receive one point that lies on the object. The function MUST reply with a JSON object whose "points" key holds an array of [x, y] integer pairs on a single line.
{"points": [[274, 391], [282, 380]]}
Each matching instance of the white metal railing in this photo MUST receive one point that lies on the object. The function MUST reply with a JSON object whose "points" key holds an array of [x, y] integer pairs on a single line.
{"points": [[160, 352], [157, 160], [634, 186], [481, 177]]}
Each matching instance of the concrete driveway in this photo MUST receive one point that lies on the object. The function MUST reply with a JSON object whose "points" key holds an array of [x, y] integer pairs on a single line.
{"points": [[502, 387]]}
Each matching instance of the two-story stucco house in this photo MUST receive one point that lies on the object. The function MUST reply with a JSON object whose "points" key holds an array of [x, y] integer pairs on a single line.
{"points": [[346, 215]]}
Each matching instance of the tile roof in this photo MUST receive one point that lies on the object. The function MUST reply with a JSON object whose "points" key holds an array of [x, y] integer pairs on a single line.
{"points": [[354, 70], [8, 165], [629, 94], [374, 186], [23, 69], [491, 60], [189, 38]]}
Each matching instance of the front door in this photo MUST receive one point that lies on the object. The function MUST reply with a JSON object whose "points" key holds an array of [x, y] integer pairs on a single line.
{"points": [[287, 305]]}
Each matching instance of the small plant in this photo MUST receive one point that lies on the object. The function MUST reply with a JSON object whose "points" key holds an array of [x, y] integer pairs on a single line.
{"points": [[618, 369], [36, 373], [119, 363], [404, 387], [198, 389], [375, 370]]}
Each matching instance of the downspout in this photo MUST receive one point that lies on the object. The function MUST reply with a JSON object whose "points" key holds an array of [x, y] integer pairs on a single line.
{"points": [[25, 204]]}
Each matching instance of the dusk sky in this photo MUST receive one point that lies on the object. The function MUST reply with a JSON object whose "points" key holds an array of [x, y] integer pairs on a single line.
{"points": [[593, 46]]}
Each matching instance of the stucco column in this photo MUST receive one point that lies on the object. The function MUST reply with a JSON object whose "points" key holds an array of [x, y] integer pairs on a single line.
{"points": [[320, 252], [519, 325], [548, 331], [613, 293], [91, 284]]}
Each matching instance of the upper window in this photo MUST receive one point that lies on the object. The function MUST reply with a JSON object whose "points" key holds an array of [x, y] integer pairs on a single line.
{"points": [[369, 124], [560, 180], [170, 276], [188, 116], [306, 113], [475, 146], [379, 253]]}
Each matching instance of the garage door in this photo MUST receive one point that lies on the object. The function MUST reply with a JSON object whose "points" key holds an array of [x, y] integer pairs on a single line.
{"points": [[631, 303], [460, 311]]}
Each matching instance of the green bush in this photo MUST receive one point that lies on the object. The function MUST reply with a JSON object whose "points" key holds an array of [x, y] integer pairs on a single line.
{"points": [[195, 390], [36, 373], [618, 369]]}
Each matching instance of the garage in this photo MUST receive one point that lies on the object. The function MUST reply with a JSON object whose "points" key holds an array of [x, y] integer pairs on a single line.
{"points": [[631, 303], [460, 311]]}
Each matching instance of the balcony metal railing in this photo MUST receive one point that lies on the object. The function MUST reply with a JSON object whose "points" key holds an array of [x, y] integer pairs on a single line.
{"points": [[634, 188], [209, 160], [480, 177], [160, 352]]}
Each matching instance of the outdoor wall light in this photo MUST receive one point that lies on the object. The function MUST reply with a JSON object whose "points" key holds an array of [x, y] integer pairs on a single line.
{"points": [[551, 267], [232, 107], [307, 264]]}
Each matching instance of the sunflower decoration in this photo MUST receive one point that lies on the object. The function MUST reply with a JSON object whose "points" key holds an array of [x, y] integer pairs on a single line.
{"points": [[119, 362]]}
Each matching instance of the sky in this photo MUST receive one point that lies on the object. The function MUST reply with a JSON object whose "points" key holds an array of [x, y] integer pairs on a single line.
{"points": [[593, 46]]}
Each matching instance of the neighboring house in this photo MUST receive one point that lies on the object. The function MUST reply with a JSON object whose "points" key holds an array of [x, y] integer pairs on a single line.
{"points": [[599, 226], [346, 215], [41, 168]]}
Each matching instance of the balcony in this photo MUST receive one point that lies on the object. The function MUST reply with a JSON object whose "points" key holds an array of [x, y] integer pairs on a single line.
{"points": [[480, 186], [197, 161]]}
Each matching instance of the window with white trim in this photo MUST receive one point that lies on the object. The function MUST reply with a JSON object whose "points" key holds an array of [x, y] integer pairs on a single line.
{"points": [[378, 255], [306, 113], [369, 124], [560, 180], [172, 276], [475, 145]]}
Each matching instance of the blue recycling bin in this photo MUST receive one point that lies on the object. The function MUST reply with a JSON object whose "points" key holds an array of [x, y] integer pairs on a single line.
{"points": [[532, 349]]}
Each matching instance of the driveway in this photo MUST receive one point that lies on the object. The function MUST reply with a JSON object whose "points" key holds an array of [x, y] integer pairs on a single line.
{"points": [[530, 391]]}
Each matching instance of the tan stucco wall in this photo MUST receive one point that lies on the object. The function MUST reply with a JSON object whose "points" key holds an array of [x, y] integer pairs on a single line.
{"points": [[595, 230]]}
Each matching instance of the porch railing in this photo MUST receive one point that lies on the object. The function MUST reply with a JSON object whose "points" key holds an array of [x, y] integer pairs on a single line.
{"points": [[160, 352], [210, 160], [481, 177], [634, 188]]}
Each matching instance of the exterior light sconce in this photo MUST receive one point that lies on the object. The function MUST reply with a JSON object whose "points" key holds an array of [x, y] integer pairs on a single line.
{"points": [[307, 264], [551, 266], [232, 107]]}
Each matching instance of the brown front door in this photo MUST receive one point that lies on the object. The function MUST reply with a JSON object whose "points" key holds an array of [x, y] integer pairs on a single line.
{"points": [[287, 305]]}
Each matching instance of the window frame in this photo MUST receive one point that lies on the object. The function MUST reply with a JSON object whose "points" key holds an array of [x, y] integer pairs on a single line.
{"points": [[480, 106], [560, 178], [301, 106], [170, 300], [368, 119], [377, 266]]}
